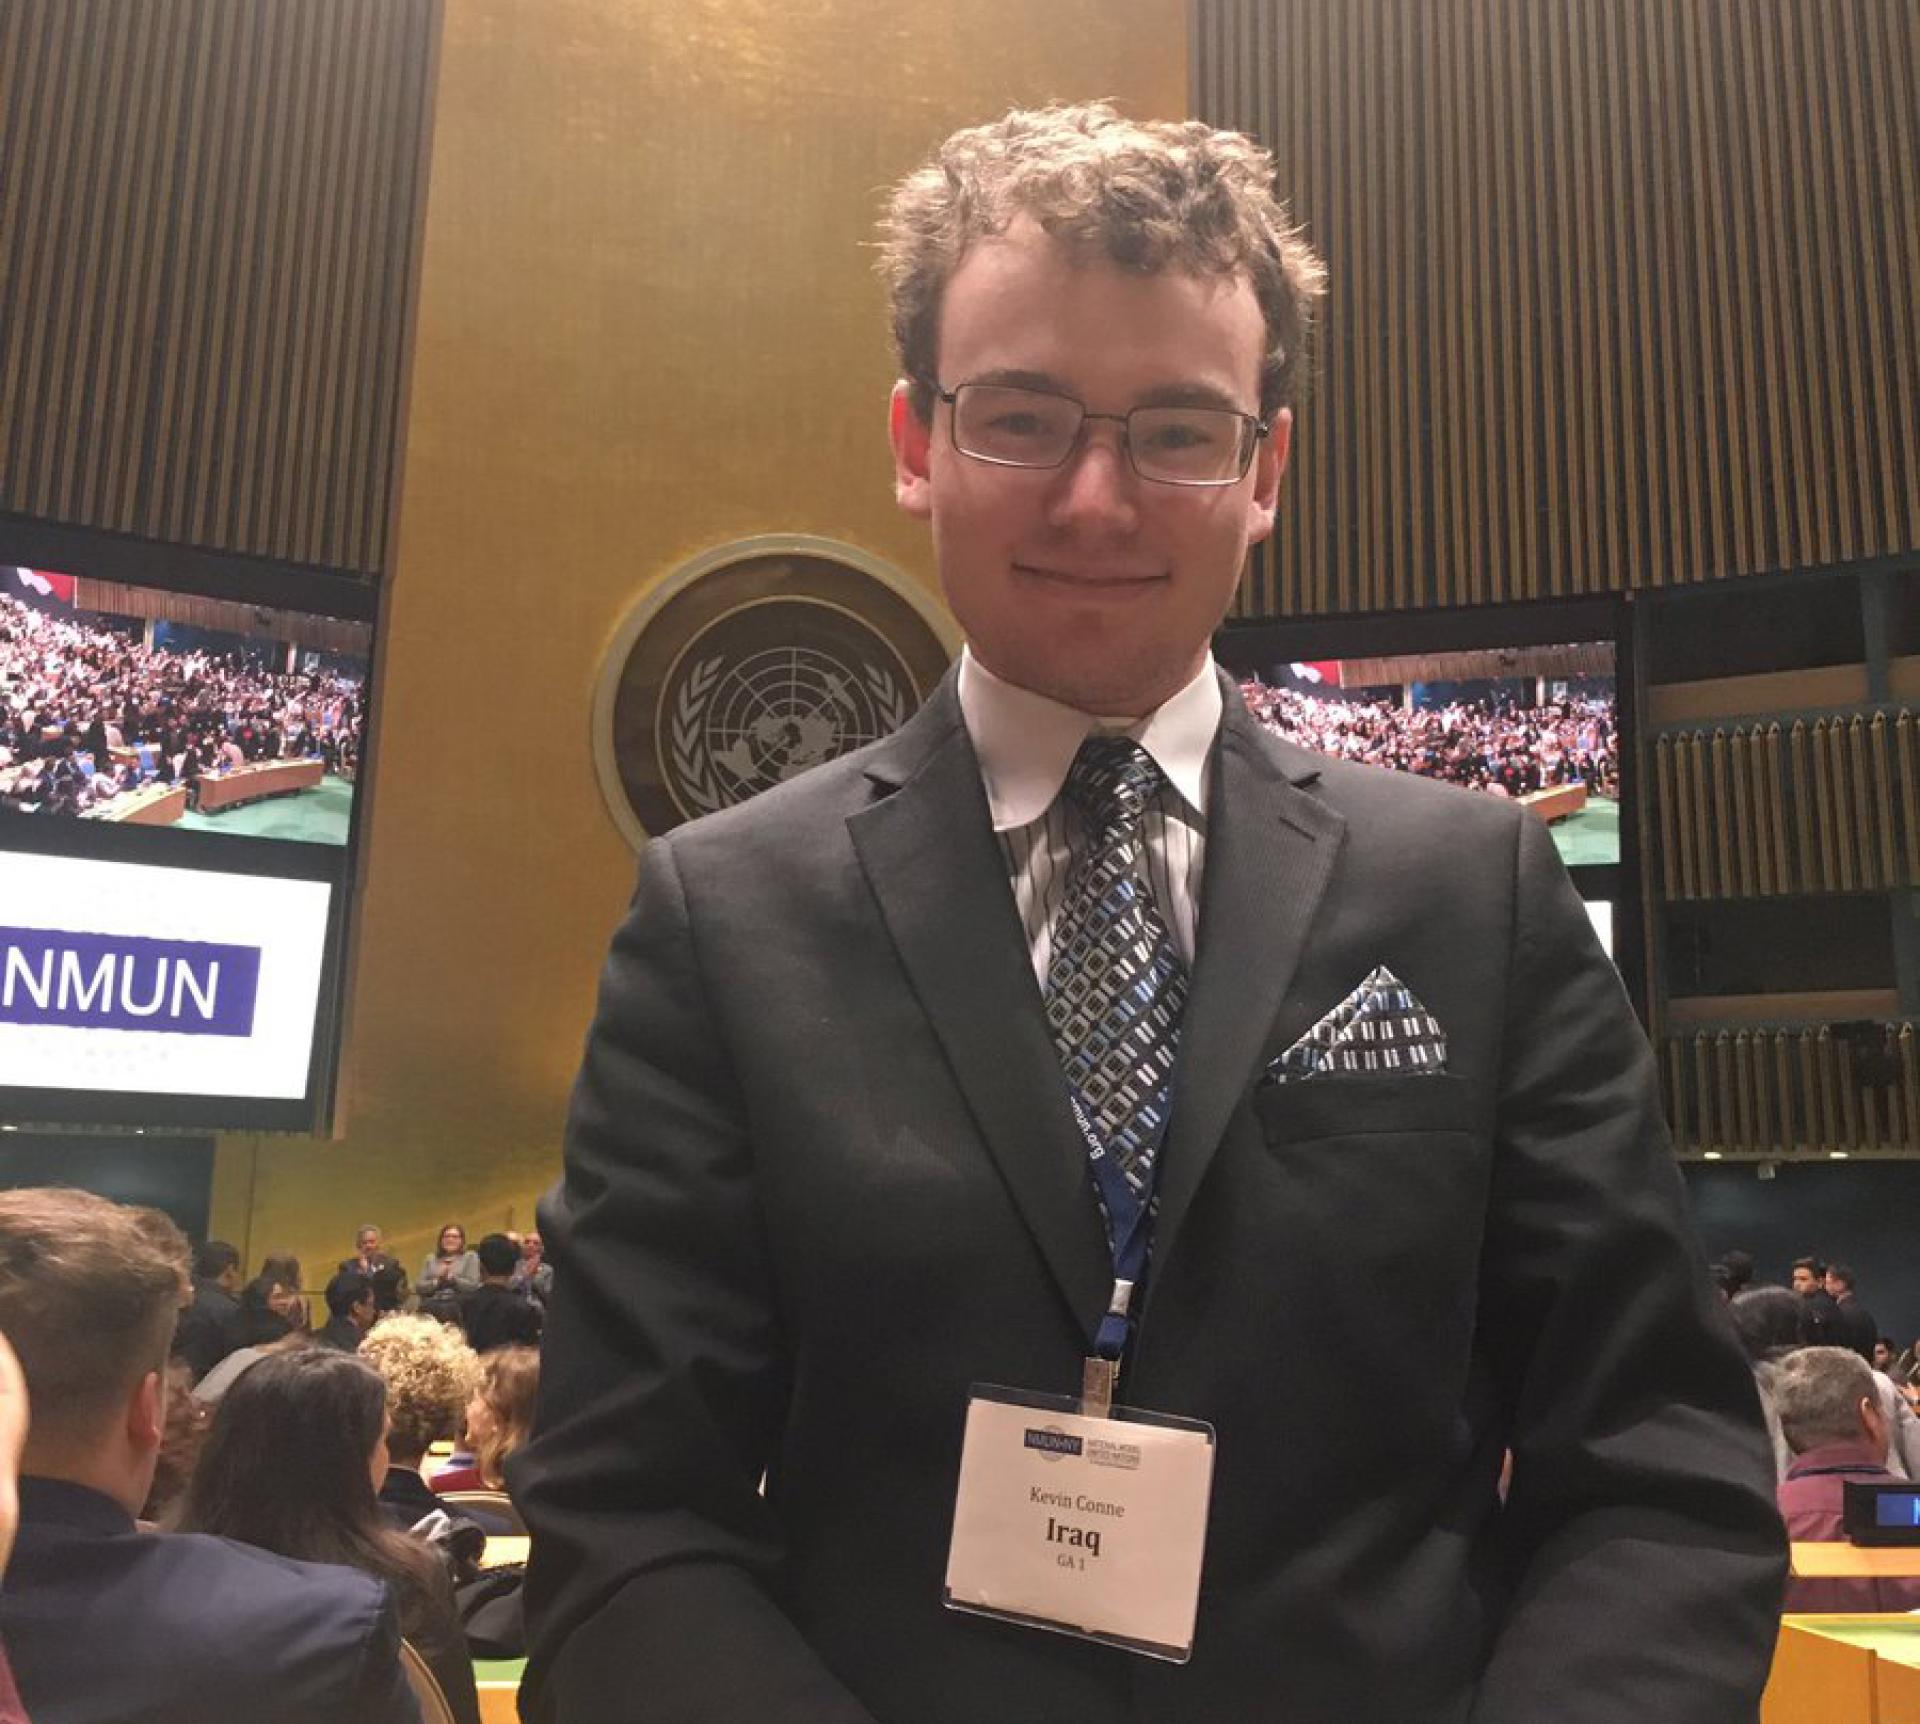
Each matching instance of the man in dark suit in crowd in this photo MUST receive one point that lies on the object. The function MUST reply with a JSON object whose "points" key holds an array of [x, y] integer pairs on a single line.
{"points": [[103, 1623], [388, 1275], [351, 1311], [1823, 1326], [210, 1327], [497, 1315], [1857, 1329], [893, 1064]]}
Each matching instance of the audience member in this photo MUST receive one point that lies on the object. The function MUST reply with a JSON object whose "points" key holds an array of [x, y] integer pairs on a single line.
{"points": [[533, 1274], [496, 1315], [1733, 1274], [266, 1327], [1857, 1329], [292, 1463], [430, 1373], [283, 1268], [180, 1439], [109, 1625], [450, 1275], [210, 1327], [1823, 1315], [1834, 1426], [499, 1420], [352, 1308], [1883, 1355], [1773, 1323], [388, 1277]]}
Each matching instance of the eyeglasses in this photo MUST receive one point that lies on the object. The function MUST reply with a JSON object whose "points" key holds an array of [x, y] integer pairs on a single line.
{"points": [[1011, 427]]}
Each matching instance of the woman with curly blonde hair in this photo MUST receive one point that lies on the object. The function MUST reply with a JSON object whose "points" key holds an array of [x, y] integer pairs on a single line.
{"points": [[431, 1374]]}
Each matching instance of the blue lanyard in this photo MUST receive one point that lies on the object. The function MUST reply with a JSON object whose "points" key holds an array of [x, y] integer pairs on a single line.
{"points": [[1129, 1225]]}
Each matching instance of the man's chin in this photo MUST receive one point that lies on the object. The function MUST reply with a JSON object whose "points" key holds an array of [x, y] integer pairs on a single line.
{"points": [[1106, 689]]}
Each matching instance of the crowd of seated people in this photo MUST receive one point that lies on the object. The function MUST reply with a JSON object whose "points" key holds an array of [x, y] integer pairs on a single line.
{"points": [[1840, 1402], [1491, 745], [87, 713], [101, 1619], [294, 1463], [215, 1464]]}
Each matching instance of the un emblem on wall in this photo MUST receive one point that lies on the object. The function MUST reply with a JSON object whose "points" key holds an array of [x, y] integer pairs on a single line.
{"points": [[751, 664]]}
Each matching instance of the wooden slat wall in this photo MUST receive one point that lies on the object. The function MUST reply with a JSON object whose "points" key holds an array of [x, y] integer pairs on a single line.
{"points": [[1765, 810], [325, 634], [1625, 293], [207, 234], [1781, 1093]]}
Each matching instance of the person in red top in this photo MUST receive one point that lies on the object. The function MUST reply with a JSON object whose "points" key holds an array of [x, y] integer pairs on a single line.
{"points": [[1830, 1415]]}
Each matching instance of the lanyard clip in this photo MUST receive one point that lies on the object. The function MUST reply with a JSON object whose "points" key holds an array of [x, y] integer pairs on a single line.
{"points": [[1096, 1386]]}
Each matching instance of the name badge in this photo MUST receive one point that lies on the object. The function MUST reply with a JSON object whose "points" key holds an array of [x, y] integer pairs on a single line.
{"points": [[1083, 1525]]}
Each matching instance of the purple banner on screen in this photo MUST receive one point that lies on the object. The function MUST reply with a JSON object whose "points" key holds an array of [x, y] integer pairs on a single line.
{"points": [[126, 982]]}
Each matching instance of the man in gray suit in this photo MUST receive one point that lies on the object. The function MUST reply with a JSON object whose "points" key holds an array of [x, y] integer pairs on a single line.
{"points": [[828, 1163]]}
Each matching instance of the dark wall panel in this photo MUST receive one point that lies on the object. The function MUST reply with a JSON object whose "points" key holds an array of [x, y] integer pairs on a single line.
{"points": [[208, 215], [1858, 1212], [173, 1174]]}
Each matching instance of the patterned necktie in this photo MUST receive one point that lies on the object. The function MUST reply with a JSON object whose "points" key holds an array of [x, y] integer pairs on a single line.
{"points": [[1115, 985]]}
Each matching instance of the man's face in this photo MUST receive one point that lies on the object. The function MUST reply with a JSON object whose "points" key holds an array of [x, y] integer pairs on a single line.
{"points": [[1804, 1280], [368, 1242], [1835, 1285], [1087, 583], [365, 1311]]}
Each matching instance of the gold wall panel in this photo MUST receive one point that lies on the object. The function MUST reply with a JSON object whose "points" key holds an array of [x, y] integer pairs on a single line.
{"points": [[648, 324], [208, 214], [1625, 293]]}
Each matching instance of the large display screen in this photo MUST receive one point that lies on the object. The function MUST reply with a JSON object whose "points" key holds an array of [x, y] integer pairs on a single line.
{"points": [[1539, 725], [128, 703], [1532, 702], [125, 977], [185, 754]]}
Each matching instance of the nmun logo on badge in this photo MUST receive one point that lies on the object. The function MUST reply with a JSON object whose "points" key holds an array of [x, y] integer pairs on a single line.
{"points": [[751, 664]]}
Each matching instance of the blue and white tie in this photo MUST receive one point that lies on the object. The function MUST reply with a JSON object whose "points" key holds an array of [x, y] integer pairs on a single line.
{"points": [[1115, 985]]}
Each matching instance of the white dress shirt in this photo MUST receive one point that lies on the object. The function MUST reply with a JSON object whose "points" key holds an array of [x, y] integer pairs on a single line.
{"points": [[1025, 744]]}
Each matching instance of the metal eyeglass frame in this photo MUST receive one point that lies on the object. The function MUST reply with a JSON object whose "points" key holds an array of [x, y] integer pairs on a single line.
{"points": [[1260, 427]]}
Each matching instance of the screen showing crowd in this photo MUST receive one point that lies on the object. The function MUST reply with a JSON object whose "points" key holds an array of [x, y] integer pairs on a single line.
{"points": [[149, 707], [1538, 724]]}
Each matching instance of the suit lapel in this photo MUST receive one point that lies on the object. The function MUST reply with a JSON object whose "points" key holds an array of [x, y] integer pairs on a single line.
{"points": [[1270, 852], [931, 860]]}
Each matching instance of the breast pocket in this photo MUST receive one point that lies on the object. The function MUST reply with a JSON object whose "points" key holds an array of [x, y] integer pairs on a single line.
{"points": [[1306, 1110]]}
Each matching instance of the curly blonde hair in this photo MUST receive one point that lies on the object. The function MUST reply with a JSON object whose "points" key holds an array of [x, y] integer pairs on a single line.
{"points": [[430, 1374], [1147, 196]]}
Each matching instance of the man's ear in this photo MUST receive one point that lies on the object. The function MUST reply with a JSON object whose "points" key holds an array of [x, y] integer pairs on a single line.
{"points": [[911, 437], [147, 1412], [1269, 462]]}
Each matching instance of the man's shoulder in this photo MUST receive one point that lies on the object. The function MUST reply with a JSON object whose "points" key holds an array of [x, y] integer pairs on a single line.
{"points": [[259, 1581], [190, 1609]]}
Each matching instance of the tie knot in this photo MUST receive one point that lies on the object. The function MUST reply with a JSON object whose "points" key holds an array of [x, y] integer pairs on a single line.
{"points": [[1110, 782]]}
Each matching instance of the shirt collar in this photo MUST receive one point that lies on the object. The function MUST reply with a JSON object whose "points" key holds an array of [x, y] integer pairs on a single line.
{"points": [[1851, 1454], [59, 1502], [1025, 742]]}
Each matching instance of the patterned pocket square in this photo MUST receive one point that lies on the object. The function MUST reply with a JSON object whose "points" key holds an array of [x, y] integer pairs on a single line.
{"points": [[1379, 1028]]}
